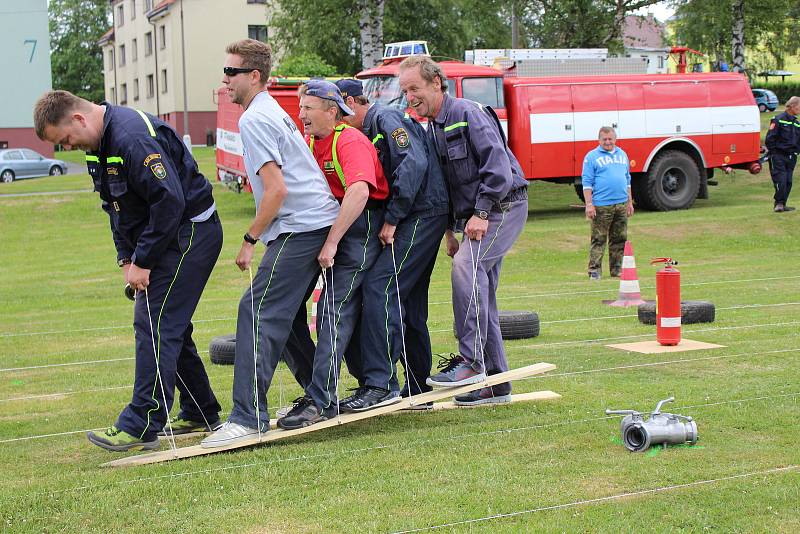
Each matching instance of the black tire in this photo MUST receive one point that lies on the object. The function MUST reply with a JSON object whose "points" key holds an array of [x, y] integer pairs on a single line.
{"points": [[223, 349], [692, 311], [55, 170], [762, 108], [7, 177], [579, 191], [672, 183], [515, 325], [638, 186]]}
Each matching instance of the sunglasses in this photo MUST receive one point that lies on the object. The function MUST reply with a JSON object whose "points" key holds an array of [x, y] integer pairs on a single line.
{"points": [[233, 71]]}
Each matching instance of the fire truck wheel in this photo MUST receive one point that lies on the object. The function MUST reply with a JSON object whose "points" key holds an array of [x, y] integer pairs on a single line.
{"points": [[692, 311], [516, 324], [223, 349], [673, 182]]}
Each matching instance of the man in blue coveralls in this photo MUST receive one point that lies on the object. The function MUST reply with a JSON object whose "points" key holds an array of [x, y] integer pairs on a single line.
{"points": [[489, 197], [783, 142], [606, 179], [168, 236], [415, 221]]}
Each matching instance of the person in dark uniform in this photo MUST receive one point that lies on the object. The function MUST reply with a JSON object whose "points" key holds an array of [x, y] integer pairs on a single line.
{"points": [[488, 199], [414, 224], [783, 143], [168, 236]]}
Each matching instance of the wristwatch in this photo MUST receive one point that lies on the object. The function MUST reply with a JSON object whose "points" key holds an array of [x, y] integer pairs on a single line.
{"points": [[481, 214], [123, 262], [250, 239]]}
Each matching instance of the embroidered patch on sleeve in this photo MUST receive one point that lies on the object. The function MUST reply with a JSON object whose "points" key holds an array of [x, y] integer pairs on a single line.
{"points": [[150, 158], [158, 170], [400, 137]]}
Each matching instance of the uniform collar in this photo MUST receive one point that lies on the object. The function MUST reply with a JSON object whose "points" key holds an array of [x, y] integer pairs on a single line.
{"points": [[373, 109], [107, 116], [447, 103]]}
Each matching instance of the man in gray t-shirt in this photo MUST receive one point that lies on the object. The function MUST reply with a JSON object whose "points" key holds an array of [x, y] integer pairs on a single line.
{"points": [[294, 212]]}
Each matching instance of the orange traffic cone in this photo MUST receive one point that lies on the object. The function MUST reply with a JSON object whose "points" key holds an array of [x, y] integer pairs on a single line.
{"points": [[629, 292], [312, 323]]}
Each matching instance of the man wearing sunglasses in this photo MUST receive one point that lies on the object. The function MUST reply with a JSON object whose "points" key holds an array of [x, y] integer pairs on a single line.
{"points": [[294, 213]]}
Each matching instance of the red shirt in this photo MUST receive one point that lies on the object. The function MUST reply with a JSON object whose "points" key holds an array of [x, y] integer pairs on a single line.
{"points": [[358, 159]]}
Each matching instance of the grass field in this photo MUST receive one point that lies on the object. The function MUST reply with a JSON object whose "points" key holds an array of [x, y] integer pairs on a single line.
{"points": [[66, 365]]}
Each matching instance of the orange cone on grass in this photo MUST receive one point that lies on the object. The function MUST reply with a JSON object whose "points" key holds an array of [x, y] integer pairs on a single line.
{"points": [[629, 292]]}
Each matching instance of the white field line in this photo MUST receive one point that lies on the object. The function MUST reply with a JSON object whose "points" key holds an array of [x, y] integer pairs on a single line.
{"points": [[738, 307], [618, 496], [67, 364], [554, 375], [403, 445], [511, 297]]}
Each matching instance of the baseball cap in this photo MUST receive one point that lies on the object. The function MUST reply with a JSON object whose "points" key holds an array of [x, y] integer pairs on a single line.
{"points": [[328, 91], [350, 87]]}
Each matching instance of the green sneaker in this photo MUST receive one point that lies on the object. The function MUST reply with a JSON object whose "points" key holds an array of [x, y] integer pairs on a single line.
{"points": [[186, 426], [114, 439]]}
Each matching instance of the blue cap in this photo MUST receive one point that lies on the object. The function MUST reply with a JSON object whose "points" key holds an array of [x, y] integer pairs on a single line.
{"points": [[350, 87], [328, 91]]}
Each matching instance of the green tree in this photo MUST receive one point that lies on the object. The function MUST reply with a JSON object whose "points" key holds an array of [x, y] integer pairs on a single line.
{"points": [[305, 64], [76, 59]]}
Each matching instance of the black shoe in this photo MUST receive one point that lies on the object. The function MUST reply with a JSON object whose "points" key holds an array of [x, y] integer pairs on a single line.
{"points": [[367, 398], [788, 208], [299, 405], [299, 418]]}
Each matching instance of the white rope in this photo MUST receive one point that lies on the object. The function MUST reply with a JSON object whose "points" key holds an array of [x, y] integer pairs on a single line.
{"points": [[199, 409], [170, 434], [255, 355], [333, 329], [402, 328], [478, 344], [607, 498]]}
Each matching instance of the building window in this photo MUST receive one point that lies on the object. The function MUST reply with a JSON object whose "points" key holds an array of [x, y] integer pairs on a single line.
{"points": [[256, 1], [120, 15], [162, 36], [111, 59], [147, 5], [148, 43], [163, 80], [133, 9], [123, 92], [259, 33], [134, 50], [150, 86], [113, 96], [121, 55], [135, 89]]}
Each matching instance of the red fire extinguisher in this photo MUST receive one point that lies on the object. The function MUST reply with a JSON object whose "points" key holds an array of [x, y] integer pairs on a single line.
{"points": [[668, 302]]}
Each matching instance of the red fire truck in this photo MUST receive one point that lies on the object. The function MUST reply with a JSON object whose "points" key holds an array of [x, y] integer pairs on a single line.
{"points": [[675, 128]]}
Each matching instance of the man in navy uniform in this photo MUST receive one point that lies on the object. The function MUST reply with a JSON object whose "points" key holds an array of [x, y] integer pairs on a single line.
{"points": [[168, 236], [415, 221], [783, 142], [489, 192]]}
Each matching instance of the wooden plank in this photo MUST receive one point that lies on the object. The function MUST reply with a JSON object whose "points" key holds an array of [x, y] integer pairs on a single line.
{"points": [[267, 437], [653, 347]]}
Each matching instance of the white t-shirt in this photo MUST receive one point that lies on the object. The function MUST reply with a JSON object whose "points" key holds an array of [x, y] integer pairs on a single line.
{"points": [[269, 134]]}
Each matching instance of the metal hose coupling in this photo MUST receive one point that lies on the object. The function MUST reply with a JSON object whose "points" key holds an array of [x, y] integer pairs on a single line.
{"points": [[639, 435]]}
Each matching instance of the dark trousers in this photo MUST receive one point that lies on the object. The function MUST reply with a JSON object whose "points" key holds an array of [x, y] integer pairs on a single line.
{"points": [[279, 286], [781, 167], [176, 284], [339, 306], [416, 243]]}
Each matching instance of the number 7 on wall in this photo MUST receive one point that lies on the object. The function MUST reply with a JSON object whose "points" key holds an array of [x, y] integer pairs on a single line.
{"points": [[33, 49]]}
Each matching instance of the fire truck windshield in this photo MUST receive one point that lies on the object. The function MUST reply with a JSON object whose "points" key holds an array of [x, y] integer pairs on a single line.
{"points": [[385, 90]]}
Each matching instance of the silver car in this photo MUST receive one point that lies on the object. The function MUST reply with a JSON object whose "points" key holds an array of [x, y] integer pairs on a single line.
{"points": [[16, 163]]}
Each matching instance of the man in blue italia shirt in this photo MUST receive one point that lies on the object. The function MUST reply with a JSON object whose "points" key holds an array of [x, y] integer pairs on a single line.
{"points": [[606, 181]]}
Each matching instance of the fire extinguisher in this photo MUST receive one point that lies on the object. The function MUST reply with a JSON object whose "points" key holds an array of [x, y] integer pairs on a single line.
{"points": [[668, 302]]}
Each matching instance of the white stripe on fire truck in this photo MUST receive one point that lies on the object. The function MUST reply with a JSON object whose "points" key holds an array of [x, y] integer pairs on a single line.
{"points": [[644, 123]]}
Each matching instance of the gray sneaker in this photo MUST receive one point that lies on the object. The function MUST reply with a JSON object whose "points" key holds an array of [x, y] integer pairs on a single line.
{"points": [[369, 397], [455, 371], [481, 396], [594, 275], [229, 434]]}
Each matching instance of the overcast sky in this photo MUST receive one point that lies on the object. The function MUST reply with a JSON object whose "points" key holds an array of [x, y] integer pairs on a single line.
{"points": [[662, 11]]}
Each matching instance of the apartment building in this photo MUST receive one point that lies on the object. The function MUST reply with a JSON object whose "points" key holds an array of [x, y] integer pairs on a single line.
{"points": [[166, 56]]}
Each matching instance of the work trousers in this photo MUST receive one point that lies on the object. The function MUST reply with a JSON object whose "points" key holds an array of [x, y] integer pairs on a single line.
{"points": [[162, 319], [609, 224], [475, 278], [288, 267], [339, 306], [781, 168], [389, 326]]}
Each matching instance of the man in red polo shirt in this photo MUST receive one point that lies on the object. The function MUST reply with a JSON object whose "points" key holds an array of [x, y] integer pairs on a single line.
{"points": [[355, 176]]}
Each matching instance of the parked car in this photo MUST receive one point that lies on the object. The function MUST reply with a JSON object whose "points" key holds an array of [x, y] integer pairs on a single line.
{"points": [[766, 100], [17, 163]]}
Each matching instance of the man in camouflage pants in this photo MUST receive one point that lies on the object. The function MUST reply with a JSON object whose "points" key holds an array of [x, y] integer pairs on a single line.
{"points": [[606, 181]]}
